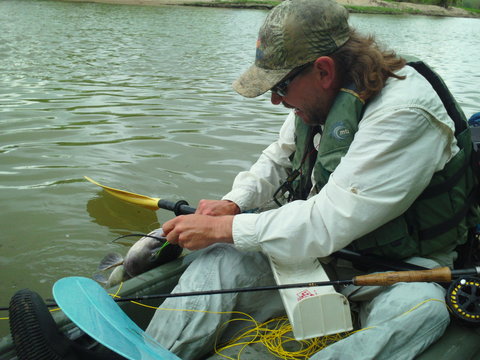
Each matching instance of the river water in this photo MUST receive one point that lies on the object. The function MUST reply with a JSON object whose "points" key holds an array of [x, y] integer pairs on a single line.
{"points": [[139, 98]]}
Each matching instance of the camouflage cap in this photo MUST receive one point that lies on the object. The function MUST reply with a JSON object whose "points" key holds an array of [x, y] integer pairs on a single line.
{"points": [[294, 33]]}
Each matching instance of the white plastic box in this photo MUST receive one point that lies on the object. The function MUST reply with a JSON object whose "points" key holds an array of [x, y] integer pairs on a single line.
{"points": [[313, 311]]}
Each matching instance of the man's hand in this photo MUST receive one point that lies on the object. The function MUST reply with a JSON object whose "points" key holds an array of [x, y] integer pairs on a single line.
{"points": [[217, 207], [196, 231]]}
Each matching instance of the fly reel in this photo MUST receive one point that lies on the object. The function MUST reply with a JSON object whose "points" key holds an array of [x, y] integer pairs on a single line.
{"points": [[463, 299]]}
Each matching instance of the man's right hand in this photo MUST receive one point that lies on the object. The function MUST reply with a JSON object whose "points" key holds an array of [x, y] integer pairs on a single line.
{"points": [[217, 207]]}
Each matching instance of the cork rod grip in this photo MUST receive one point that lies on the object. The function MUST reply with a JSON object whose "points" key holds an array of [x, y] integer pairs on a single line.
{"points": [[389, 278]]}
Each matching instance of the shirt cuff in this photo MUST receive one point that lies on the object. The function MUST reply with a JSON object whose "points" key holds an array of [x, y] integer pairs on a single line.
{"points": [[239, 197], [244, 234]]}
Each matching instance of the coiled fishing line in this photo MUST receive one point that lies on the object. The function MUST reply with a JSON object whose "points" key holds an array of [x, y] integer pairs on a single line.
{"points": [[275, 335]]}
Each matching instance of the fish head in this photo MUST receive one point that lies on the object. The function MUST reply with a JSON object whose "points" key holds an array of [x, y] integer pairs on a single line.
{"points": [[148, 253]]}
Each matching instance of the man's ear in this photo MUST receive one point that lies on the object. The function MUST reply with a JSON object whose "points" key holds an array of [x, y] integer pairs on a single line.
{"points": [[325, 70]]}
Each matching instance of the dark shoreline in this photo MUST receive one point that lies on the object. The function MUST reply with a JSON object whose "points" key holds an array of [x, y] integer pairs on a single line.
{"points": [[381, 10]]}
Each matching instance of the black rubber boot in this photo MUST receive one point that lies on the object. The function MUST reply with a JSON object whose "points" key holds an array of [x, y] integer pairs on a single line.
{"points": [[37, 336]]}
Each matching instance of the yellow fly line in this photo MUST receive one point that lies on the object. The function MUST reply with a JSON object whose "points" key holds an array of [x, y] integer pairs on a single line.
{"points": [[273, 334]]}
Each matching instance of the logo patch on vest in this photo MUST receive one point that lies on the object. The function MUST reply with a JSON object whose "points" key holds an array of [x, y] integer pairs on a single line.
{"points": [[340, 131]]}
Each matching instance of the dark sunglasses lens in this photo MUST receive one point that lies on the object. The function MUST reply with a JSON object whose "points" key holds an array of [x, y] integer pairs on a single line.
{"points": [[281, 89]]}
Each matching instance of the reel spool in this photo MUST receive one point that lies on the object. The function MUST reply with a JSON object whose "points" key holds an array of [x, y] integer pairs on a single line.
{"points": [[463, 299]]}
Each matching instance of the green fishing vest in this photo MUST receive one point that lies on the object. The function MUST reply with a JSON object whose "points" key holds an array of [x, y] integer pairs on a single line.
{"points": [[440, 217]]}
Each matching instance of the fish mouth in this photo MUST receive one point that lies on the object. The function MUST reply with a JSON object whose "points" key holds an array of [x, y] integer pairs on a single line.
{"points": [[155, 253]]}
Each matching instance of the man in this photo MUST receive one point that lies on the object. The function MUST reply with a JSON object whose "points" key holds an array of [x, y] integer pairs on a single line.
{"points": [[371, 160]]}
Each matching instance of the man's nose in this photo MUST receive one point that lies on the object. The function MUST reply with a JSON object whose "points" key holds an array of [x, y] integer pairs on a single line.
{"points": [[276, 99]]}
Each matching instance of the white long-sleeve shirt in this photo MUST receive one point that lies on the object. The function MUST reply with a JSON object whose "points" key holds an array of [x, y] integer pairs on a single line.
{"points": [[404, 137]]}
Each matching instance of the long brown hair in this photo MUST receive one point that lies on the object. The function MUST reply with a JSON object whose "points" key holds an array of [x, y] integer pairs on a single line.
{"points": [[361, 61]]}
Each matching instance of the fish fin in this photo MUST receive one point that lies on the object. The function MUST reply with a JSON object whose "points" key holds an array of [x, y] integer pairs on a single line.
{"points": [[100, 278], [116, 277], [110, 261]]}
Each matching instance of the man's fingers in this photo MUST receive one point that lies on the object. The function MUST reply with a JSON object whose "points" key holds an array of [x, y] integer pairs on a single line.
{"points": [[217, 207], [169, 229]]}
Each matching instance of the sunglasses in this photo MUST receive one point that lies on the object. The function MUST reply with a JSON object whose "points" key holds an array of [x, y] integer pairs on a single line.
{"points": [[281, 88]]}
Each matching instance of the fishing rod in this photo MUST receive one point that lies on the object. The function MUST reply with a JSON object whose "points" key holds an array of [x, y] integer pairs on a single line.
{"points": [[440, 275]]}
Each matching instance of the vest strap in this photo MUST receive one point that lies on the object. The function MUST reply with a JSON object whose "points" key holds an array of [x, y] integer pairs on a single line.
{"points": [[445, 95], [445, 186], [449, 224]]}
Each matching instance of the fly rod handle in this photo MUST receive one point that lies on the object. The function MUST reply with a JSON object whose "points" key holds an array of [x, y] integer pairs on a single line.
{"points": [[442, 274]]}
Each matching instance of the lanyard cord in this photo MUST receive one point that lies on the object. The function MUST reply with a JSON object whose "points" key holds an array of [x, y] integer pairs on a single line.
{"points": [[287, 185]]}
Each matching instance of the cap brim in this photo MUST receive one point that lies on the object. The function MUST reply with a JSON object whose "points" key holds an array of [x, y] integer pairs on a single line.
{"points": [[257, 81]]}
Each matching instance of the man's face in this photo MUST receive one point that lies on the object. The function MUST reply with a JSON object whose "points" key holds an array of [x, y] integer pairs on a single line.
{"points": [[305, 94]]}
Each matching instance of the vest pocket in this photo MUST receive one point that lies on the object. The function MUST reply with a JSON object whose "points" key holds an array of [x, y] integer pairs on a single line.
{"points": [[392, 240]]}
